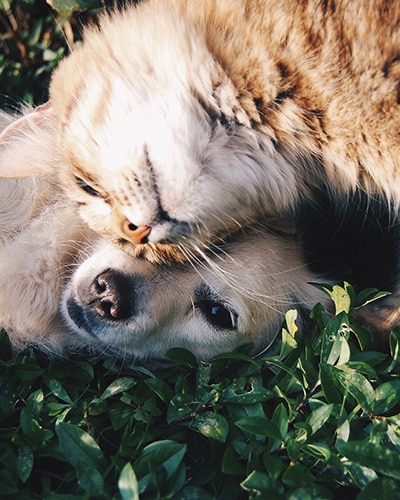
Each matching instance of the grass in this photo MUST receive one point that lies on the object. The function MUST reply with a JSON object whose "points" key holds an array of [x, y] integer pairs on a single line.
{"points": [[321, 419]]}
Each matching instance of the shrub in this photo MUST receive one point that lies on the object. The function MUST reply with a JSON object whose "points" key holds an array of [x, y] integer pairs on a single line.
{"points": [[318, 420]]}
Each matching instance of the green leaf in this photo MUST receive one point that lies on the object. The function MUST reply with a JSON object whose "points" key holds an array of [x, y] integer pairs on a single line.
{"points": [[373, 455], [8, 483], [260, 484], [366, 339], [77, 445], [319, 416], [260, 427], [298, 475], [29, 419], [28, 370], [246, 391], [343, 430], [67, 7], [128, 485], [369, 295], [320, 451], [166, 454], [341, 298], [280, 418], [337, 382], [203, 375], [161, 388], [387, 395], [273, 465], [180, 406], [360, 474], [193, 493], [380, 488], [58, 391], [117, 386], [231, 464], [358, 386], [394, 344], [312, 492], [181, 357], [289, 334], [290, 319], [331, 385], [34, 403], [212, 425], [89, 477], [334, 340], [24, 463]]}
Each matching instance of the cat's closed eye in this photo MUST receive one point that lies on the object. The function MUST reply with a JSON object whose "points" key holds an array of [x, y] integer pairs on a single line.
{"points": [[86, 187]]}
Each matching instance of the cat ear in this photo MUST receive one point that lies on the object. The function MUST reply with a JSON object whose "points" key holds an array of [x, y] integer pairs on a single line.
{"points": [[284, 224], [27, 145]]}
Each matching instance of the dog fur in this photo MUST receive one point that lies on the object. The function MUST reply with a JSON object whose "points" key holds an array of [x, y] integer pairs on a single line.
{"points": [[178, 121], [133, 307]]}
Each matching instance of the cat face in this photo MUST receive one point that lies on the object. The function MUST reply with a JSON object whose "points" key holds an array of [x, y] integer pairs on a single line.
{"points": [[148, 136], [155, 173], [155, 147]]}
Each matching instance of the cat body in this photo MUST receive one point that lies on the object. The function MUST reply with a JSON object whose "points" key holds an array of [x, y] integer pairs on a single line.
{"points": [[177, 122]]}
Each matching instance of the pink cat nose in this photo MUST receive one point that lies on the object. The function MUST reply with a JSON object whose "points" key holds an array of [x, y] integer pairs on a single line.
{"points": [[137, 234]]}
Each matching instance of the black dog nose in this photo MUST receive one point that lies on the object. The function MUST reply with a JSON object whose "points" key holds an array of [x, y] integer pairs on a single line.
{"points": [[109, 295]]}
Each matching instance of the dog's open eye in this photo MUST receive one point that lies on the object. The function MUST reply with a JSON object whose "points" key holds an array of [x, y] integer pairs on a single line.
{"points": [[86, 187], [218, 314]]}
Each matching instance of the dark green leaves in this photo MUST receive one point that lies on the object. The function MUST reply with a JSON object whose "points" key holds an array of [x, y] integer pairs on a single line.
{"points": [[323, 412], [373, 455], [83, 453], [212, 425], [67, 7]]}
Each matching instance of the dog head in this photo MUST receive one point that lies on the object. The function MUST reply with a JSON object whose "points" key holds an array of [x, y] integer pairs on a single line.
{"points": [[136, 308]]}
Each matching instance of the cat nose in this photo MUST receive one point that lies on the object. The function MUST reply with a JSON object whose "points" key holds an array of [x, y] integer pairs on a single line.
{"points": [[137, 234]]}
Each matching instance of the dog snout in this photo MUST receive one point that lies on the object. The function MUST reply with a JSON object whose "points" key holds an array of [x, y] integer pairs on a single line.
{"points": [[109, 295]]}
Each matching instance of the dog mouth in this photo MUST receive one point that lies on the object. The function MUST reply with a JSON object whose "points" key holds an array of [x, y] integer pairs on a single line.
{"points": [[81, 318]]}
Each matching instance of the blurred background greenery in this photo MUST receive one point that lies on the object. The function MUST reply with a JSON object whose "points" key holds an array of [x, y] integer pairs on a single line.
{"points": [[34, 36]]}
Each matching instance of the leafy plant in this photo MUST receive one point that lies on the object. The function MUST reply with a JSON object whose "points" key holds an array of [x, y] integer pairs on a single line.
{"points": [[33, 39], [318, 420]]}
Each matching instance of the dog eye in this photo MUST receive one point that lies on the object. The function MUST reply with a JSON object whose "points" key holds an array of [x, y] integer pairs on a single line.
{"points": [[85, 187], [218, 314]]}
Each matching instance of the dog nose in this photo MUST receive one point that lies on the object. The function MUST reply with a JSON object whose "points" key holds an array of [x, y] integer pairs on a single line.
{"points": [[109, 295], [137, 234]]}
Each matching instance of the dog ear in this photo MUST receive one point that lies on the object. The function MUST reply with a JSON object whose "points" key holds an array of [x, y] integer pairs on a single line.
{"points": [[27, 145]]}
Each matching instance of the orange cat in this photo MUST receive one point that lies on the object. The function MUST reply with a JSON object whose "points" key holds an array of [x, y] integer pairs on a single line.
{"points": [[178, 121]]}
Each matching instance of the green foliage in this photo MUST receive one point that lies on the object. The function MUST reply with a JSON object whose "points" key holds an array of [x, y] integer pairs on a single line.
{"points": [[33, 39], [320, 419]]}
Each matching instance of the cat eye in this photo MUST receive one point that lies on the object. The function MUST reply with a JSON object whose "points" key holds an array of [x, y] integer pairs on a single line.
{"points": [[218, 314], [86, 187]]}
